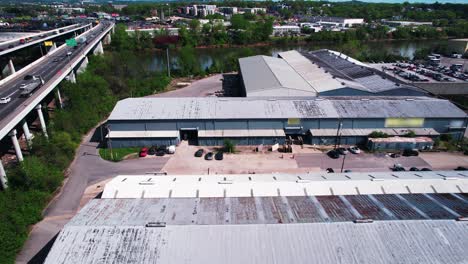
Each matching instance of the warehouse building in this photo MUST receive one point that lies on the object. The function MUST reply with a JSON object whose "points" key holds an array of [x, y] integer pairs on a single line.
{"points": [[254, 121], [317, 73], [393, 217]]}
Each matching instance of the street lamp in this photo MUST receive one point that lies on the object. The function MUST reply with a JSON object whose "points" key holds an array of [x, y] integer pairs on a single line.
{"points": [[340, 125], [109, 141]]}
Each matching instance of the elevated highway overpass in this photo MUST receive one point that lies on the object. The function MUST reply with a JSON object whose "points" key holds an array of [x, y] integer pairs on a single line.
{"points": [[53, 69]]}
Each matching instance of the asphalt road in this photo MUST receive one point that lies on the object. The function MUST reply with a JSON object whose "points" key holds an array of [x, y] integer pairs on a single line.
{"points": [[51, 66], [9, 45]]}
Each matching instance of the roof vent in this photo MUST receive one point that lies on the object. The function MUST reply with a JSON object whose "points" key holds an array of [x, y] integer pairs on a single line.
{"points": [[343, 83], [226, 182], [409, 99], [363, 221], [155, 224], [302, 181]]}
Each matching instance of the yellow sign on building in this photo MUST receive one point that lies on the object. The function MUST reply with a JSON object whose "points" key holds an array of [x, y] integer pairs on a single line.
{"points": [[48, 43], [404, 122], [294, 121]]}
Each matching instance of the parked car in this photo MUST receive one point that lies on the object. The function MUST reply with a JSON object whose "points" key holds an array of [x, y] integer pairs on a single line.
{"points": [[460, 168], [333, 154], [160, 152], [426, 169], [354, 150], [414, 169], [219, 155], [347, 171], [342, 151], [330, 170], [5, 100], [171, 149], [395, 155], [410, 152], [398, 167], [69, 53], [162, 148], [209, 156], [152, 150], [143, 152], [199, 153], [28, 77]]}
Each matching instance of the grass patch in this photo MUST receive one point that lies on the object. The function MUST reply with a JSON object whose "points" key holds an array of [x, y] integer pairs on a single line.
{"points": [[117, 153]]}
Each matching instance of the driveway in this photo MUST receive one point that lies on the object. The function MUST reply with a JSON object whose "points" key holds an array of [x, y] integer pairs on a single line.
{"points": [[199, 88], [87, 169]]}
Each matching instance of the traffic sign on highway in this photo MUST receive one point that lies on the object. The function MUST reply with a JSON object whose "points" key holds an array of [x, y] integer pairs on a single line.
{"points": [[71, 42], [48, 43]]}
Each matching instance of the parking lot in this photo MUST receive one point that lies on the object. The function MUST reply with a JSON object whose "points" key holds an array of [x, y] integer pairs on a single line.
{"points": [[307, 159]]}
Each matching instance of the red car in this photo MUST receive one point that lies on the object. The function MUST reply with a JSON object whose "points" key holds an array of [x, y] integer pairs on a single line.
{"points": [[143, 152]]}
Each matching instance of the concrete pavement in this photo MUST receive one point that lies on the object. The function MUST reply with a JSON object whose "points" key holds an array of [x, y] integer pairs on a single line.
{"points": [[199, 88], [87, 169]]}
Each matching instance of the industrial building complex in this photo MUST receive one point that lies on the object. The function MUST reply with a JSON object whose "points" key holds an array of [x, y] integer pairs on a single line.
{"points": [[314, 96], [252, 121], [272, 218]]}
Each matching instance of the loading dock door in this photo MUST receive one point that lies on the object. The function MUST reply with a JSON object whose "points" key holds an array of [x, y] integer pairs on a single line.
{"points": [[189, 134]]}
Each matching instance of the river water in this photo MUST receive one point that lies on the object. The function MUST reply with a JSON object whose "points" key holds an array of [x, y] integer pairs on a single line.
{"points": [[156, 60]]}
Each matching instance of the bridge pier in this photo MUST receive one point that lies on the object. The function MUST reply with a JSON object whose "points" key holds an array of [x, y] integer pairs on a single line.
{"points": [[83, 65], [27, 134], [3, 177], [99, 49], [71, 77], [107, 39], [11, 67], [59, 97], [41, 119], [16, 145], [54, 46]]}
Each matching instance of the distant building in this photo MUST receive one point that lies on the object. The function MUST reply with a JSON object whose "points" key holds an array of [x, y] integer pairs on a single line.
{"points": [[286, 30], [336, 21], [254, 10], [394, 23], [71, 10], [228, 10], [199, 10]]}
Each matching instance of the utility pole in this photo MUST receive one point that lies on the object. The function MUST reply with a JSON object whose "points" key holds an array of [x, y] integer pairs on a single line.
{"points": [[109, 142], [168, 64], [342, 163], [338, 132]]}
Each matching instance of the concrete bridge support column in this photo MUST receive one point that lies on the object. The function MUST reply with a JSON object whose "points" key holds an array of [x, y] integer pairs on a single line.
{"points": [[83, 65], [59, 97], [99, 49], [107, 39], [72, 77], [3, 177], [27, 134], [41, 119], [54, 46], [11, 67], [16, 145]]}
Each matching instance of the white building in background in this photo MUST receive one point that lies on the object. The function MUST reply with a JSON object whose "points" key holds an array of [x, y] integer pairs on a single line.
{"points": [[285, 30], [337, 21], [199, 10], [254, 10], [228, 10]]}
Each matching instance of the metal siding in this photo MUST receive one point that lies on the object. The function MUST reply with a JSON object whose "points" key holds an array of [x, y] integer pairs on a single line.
{"points": [[368, 123], [124, 143], [127, 126], [265, 124], [161, 125], [191, 124], [328, 123], [230, 124]]}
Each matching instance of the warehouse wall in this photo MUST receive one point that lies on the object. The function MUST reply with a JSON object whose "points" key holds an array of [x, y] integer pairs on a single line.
{"points": [[139, 142]]}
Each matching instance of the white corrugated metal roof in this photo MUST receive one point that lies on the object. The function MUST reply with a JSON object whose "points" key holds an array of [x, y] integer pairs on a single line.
{"points": [[317, 77], [413, 241], [263, 73], [260, 108], [143, 134], [261, 185]]}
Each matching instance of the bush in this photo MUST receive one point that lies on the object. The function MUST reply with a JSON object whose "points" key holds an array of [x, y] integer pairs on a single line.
{"points": [[229, 146], [410, 134], [378, 134], [446, 137]]}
